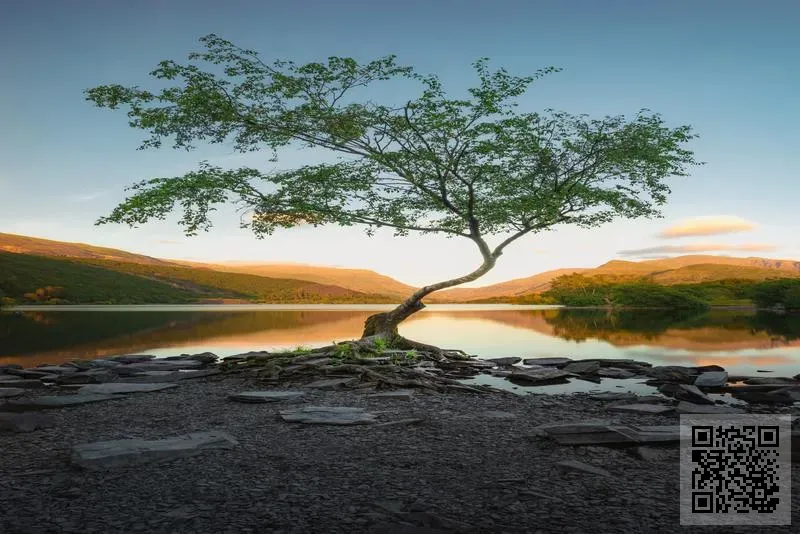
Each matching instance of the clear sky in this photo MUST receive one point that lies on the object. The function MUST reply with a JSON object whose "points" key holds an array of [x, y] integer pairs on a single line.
{"points": [[728, 67]]}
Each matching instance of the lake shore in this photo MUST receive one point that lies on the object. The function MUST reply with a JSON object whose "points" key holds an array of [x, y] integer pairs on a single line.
{"points": [[454, 463]]}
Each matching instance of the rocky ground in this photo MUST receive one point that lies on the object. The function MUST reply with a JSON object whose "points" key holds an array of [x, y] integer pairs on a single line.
{"points": [[474, 463], [426, 461]]}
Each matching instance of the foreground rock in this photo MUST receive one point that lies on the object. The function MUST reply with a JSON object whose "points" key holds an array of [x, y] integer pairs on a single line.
{"points": [[328, 415], [260, 397], [642, 408], [602, 433], [7, 393], [105, 455], [684, 392], [115, 388], [712, 380], [688, 407]]}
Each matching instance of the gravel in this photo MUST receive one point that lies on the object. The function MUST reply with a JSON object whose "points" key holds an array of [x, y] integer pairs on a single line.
{"points": [[461, 469]]}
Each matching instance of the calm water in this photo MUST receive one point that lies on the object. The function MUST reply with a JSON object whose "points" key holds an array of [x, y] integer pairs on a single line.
{"points": [[741, 341]]}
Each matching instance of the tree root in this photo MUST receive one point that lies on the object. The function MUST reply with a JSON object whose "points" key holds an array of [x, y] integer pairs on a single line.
{"points": [[373, 361]]}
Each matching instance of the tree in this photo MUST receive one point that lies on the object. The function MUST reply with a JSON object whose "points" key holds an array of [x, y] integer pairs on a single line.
{"points": [[469, 166]]}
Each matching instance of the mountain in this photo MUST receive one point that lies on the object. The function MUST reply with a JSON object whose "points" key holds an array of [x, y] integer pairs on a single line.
{"points": [[45, 247], [361, 280], [513, 288]]}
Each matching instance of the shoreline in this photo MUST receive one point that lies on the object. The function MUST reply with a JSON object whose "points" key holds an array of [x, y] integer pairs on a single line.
{"points": [[472, 464]]}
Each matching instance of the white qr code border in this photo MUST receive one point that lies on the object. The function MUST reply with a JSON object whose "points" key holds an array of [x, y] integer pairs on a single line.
{"points": [[695, 494]]}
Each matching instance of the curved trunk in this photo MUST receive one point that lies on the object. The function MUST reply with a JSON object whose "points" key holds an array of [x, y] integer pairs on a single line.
{"points": [[385, 324]]}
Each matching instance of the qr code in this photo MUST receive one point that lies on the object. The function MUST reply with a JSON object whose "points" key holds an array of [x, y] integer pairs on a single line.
{"points": [[735, 470]]}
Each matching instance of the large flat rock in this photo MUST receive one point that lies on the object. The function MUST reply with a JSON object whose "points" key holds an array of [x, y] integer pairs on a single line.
{"points": [[254, 397], [57, 401], [713, 379], [539, 376], [328, 415], [555, 362], [642, 408], [103, 455], [114, 388]]}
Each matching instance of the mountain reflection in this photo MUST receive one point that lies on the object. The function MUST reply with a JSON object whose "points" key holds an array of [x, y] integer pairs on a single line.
{"points": [[45, 336]]}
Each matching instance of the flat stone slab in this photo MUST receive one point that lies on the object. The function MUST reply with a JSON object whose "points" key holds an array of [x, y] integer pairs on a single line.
{"points": [[328, 415], [23, 422], [684, 392], [547, 361], [56, 369], [254, 397], [511, 360], [583, 367], [7, 393], [575, 465], [690, 407], [103, 455], [400, 394], [118, 387], [642, 408], [615, 372], [713, 379], [57, 401], [653, 435], [542, 375]]}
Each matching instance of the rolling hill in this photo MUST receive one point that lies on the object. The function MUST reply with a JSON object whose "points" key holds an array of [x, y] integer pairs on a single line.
{"points": [[361, 280]]}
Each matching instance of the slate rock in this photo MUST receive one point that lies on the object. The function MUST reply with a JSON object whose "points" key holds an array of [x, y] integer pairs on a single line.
{"points": [[614, 396], [511, 360], [17, 382], [56, 369], [673, 373], [95, 376], [764, 397], [656, 454], [642, 408], [132, 358], [539, 376], [554, 362], [615, 372], [779, 381], [113, 388], [23, 422], [104, 455], [582, 367], [254, 397], [711, 379], [328, 415], [685, 393], [689, 407], [32, 374]]}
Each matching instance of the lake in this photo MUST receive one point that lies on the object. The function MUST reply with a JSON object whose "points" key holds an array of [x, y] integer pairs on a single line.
{"points": [[742, 341]]}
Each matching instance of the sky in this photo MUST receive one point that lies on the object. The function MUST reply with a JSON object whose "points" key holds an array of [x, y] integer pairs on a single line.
{"points": [[728, 68]]}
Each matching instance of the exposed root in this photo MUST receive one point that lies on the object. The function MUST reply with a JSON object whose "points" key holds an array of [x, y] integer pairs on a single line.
{"points": [[374, 361]]}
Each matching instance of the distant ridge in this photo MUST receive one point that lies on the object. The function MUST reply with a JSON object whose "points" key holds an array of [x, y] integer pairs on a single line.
{"points": [[294, 280]]}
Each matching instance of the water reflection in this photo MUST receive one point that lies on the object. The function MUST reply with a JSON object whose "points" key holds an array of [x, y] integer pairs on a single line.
{"points": [[742, 341]]}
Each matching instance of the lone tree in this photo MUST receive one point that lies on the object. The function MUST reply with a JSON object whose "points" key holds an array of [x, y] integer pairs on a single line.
{"points": [[471, 166]]}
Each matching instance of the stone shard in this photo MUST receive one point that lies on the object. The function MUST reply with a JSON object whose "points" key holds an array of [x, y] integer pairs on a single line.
{"points": [[711, 379], [328, 415], [57, 401], [23, 422], [120, 387], [684, 392], [17, 382], [778, 381], [673, 373], [511, 360], [103, 455], [575, 465], [254, 397], [615, 372], [541, 376], [689, 407], [554, 362], [642, 408], [583, 367]]}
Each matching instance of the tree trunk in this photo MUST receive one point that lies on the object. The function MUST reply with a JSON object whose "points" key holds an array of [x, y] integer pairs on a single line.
{"points": [[385, 324]]}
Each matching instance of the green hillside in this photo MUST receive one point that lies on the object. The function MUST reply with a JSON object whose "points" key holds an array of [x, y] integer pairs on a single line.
{"points": [[22, 276]]}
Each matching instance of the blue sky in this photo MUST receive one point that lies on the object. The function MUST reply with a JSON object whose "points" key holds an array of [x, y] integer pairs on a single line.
{"points": [[729, 68]]}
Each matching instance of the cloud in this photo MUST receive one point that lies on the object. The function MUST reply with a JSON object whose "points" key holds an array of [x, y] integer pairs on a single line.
{"points": [[169, 242], [692, 249], [708, 225], [85, 197]]}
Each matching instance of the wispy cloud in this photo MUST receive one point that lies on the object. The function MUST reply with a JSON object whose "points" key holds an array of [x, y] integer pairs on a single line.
{"points": [[700, 247], [708, 225], [85, 197]]}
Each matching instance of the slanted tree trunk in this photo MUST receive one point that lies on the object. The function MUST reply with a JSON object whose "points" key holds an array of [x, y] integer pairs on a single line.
{"points": [[385, 324]]}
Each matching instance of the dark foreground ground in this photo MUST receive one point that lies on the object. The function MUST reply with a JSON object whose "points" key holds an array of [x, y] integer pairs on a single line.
{"points": [[463, 469]]}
